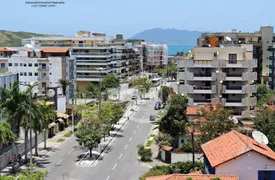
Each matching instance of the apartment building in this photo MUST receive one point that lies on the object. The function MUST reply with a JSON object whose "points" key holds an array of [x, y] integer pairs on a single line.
{"points": [[261, 40], [45, 66], [157, 56], [96, 56], [7, 79], [220, 75], [271, 50]]}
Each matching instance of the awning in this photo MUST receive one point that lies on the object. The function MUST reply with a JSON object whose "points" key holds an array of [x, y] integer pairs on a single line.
{"points": [[52, 125], [62, 115], [60, 120]]}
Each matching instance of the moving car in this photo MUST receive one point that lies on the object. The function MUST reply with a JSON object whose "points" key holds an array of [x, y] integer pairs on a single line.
{"points": [[152, 118], [157, 105]]}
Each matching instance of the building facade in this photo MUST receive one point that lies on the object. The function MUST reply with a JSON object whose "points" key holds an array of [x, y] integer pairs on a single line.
{"points": [[157, 56], [7, 79], [261, 40], [220, 75]]}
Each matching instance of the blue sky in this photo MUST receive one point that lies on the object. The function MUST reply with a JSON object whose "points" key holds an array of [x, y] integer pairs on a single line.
{"points": [[133, 16]]}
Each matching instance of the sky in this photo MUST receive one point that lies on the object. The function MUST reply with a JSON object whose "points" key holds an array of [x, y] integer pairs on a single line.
{"points": [[133, 16]]}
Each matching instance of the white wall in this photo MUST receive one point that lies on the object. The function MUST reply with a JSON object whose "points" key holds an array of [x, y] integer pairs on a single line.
{"points": [[61, 104], [184, 157], [55, 72], [162, 155], [246, 166]]}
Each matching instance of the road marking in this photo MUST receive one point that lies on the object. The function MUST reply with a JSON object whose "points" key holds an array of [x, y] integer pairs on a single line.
{"points": [[138, 126], [130, 139], [120, 156], [70, 151], [126, 146], [48, 153], [134, 132], [108, 177], [59, 161], [114, 166]]}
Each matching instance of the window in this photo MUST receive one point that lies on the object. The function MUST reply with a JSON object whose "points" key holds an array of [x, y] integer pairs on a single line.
{"points": [[36, 64], [25, 65], [30, 73], [25, 74], [30, 64], [232, 58], [21, 74], [10, 64], [36, 74], [16, 64], [267, 41], [44, 84], [2, 65], [21, 64]]}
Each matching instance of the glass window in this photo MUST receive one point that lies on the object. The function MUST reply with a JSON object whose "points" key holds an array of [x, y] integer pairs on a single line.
{"points": [[36, 64], [25, 65], [25, 74], [16, 64], [30, 64], [21, 74], [44, 84], [10, 64], [30, 73], [21, 64], [2, 65], [36, 74]]}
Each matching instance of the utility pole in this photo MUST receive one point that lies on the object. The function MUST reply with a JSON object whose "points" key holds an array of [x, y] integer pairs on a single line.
{"points": [[193, 148], [73, 115], [99, 101], [30, 117]]}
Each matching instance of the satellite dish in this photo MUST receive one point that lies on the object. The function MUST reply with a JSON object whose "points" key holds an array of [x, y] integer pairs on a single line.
{"points": [[28, 46], [228, 38], [51, 93], [260, 137]]}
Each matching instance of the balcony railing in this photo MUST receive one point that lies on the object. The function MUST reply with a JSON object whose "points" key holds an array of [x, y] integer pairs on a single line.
{"points": [[235, 77], [197, 102], [91, 53], [201, 77], [239, 63], [202, 63], [202, 89], [250, 101], [40, 68]]}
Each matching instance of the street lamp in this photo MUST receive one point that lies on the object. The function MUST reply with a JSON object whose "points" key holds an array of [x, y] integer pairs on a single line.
{"points": [[30, 118], [99, 101]]}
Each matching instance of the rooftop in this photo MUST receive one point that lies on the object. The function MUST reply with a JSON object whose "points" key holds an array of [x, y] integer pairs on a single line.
{"points": [[193, 176], [54, 50], [195, 110], [6, 49], [232, 145]]}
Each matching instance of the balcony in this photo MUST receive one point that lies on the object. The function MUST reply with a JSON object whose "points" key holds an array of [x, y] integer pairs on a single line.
{"points": [[201, 77], [249, 101], [43, 78], [42, 69], [198, 102], [202, 89], [4, 59], [3, 69], [202, 64], [239, 63], [235, 77], [92, 70], [235, 90]]}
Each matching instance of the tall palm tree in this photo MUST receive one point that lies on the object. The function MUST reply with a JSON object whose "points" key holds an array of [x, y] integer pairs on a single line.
{"points": [[64, 83], [48, 113], [6, 135]]}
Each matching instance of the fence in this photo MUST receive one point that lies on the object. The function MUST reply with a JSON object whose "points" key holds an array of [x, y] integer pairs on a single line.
{"points": [[19, 149]]}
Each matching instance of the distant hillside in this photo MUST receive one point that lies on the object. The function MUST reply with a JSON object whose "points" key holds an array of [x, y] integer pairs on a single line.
{"points": [[13, 39], [169, 36]]}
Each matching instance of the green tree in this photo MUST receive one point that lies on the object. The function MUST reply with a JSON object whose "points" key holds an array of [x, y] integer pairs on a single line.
{"points": [[144, 153], [89, 136], [164, 139], [171, 70], [110, 81], [264, 122], [6, 135], [217, 122], [64, 83], [164, 91], [264, 94], [93, 90], [142, 84]]}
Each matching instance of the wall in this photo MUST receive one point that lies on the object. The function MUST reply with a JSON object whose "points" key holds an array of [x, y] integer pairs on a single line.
{"points": [[61, 104], [162, 155], [246, 166], [55, 72], [267, 36], [184, 157]]}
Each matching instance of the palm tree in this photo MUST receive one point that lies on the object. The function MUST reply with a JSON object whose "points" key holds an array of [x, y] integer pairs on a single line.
{"points": [[37, 124], [6, 135], [64, 83], [48, 113]]}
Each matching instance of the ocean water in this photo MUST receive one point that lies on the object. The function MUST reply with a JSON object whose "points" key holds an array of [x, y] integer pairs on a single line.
{"points": [[173, 49]]}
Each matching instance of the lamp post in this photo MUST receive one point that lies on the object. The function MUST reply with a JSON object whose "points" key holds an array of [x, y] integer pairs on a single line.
{"points": [[99, 101], [30, 118]]}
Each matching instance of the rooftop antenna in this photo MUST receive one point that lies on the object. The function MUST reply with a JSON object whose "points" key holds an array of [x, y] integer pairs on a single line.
{"points": [[260, 137]]}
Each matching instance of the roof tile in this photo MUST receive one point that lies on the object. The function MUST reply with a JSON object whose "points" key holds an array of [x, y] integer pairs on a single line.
{"points": [[54, 50], [193, 176]]}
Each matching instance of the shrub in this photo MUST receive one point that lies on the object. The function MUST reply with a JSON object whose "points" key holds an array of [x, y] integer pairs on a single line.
{"points": [[149, 143], [68, 134], [60, 140], [186, 147], [152, 172], [145, 154]]}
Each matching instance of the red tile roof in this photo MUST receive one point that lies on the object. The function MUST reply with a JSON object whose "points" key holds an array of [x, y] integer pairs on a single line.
{"points": [[193, 176], [194, 110], [5, 49], [54, 50], [231, 145], [166, 148], [271, 107], [199, 120]]}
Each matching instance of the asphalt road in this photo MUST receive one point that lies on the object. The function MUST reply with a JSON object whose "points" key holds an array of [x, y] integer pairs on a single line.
{"points": [[120, 160]]}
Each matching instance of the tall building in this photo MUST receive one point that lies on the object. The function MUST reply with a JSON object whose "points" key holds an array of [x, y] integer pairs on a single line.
{"points": [[91, 53], [261, 40], [220, 75], [7, 79], [157, 56], [45, 66]]}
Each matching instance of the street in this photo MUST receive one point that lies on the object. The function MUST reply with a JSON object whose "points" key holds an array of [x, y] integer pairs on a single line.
{"points": [[120, 160]]}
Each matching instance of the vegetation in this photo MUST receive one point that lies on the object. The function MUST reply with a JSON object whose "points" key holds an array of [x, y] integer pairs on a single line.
{"points": [[186, 147], [264, 95], [110, 81], [164, 139], [64, 83], [60, 140], [92, 90], [179, 167], [170, 71], [264, 122], [142, 84], [145, 154], [165, 90], [68, 134], [13, 39], [6, 135]]}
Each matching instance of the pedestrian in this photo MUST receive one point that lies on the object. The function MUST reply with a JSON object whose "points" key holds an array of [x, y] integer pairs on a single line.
{"points": [[19, 157], [128, 118]]}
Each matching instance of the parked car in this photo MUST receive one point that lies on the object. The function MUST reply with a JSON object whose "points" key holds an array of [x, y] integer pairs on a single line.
{"points": [[152, 117], [157, 105], [134, 97]]}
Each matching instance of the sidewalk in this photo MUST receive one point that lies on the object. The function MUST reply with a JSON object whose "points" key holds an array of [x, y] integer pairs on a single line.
{"points": [[52, 143], [86, 161]]}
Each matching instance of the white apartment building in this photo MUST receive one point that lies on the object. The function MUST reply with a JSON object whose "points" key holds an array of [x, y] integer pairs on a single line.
{"points": [[220, 75], [7, 79], [157, 55], [46, 67]]}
